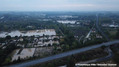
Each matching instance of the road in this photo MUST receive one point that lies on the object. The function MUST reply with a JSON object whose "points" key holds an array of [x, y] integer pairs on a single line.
{"points": [[37, 61], [87, 36], [110, 54], [99, 30], [80, 38], [107, 57]]}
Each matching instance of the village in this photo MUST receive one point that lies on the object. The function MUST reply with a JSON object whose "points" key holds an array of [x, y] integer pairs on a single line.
{"points": [[32, 45]]}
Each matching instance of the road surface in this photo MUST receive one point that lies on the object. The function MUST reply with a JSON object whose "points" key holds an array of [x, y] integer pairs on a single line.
{"points": [[37, 61], [80, 38]]}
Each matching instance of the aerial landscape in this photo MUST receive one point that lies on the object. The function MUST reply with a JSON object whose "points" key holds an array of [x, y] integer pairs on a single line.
{"points": [[51, 33]]}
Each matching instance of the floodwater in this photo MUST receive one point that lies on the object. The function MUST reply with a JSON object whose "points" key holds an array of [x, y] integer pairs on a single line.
{"points": [[29, 33], [2, 17], [66, 22], [25, 53]]}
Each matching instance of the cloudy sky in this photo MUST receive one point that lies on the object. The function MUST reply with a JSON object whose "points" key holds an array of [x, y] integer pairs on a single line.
{"points": [[59, 5]]}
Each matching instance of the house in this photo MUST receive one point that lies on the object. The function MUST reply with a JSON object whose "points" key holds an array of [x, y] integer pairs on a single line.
{"points": [[21, 39]]}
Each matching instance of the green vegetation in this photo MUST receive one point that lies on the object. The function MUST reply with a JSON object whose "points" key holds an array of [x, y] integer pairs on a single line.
{"points": [[117, 34], [5, 52], [115, 49], [71, 33]]}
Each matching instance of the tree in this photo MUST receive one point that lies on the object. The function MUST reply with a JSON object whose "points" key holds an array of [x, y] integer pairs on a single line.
{"points": [[7, 60], [117, 35], [55, 39], [50, 65], [19, 59], [116, 58], [8, 37], [74, 45], [71, 62], [103, 47], [16, 37]]}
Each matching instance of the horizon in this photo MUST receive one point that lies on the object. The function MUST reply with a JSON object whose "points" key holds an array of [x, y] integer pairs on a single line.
{"points": [[59, 11], [61, 5]]}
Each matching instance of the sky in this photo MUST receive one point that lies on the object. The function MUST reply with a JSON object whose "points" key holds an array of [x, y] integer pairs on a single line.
{"points": [[59, 5]]}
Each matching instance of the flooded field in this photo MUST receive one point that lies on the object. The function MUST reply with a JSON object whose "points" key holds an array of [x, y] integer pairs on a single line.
{"points": [[24, 54], [41, 51], [66, 22], [29, 33]]}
